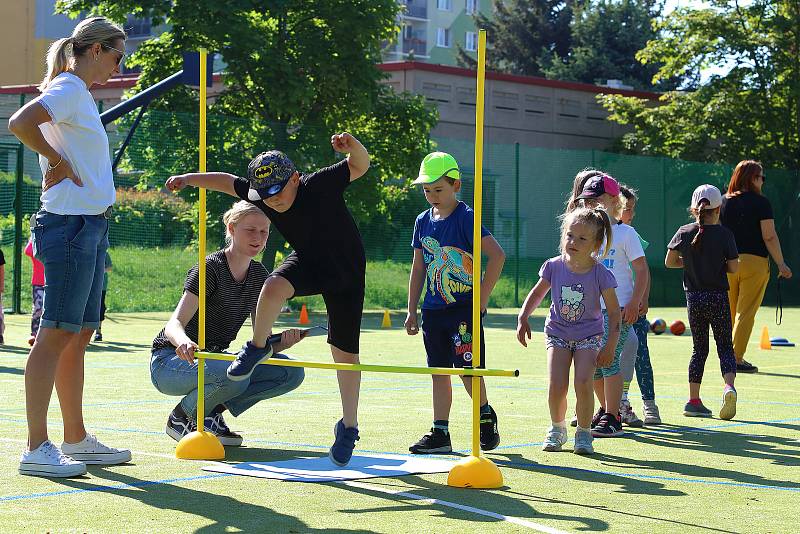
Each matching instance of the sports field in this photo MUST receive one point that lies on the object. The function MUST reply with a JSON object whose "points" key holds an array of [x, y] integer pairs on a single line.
{"points": [[688, 475]]}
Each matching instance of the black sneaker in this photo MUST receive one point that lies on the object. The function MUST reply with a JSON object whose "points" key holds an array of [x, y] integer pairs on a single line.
{"points": [[98, 336], [246, 360], [434, 442], [608, 427], [746, 367], [179, 424], [696, 410], [490, 437], [215, 424]]}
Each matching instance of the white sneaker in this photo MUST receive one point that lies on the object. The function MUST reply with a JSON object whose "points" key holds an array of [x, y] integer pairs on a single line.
{"points": [[47, 460], [556, 437], [91, 451]]}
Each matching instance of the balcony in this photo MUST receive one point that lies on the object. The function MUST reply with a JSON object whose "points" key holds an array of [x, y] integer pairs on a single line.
{"points": [[415, 11], [418, 47]]}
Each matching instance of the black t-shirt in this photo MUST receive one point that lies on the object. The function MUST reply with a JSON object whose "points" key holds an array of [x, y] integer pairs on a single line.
{"points": [[704, 269], [228, 302], [319, 227], [742, 214], [2, 262]]}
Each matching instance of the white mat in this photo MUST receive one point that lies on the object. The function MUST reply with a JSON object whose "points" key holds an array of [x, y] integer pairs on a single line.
{"points": [[321, 469]]}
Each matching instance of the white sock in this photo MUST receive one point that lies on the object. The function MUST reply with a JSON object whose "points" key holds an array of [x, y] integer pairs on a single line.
{"points": [[580, 428], [562, 424]]}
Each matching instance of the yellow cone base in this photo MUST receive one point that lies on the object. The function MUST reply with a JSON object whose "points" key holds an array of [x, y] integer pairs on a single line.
{"points": [[200, 446], [475, 472]]}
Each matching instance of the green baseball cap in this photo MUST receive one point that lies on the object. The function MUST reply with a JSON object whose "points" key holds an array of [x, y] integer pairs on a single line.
{"points": [[437, 165]]}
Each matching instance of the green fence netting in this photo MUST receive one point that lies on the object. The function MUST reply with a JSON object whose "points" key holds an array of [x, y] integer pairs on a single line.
{"points": [[152, 232]]}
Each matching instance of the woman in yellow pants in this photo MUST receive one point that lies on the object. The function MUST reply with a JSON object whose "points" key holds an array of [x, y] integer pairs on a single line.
{"points": [[748, 214]]}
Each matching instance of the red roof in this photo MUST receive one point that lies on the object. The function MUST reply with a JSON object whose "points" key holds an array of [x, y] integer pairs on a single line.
{"points": [[126, 82]]}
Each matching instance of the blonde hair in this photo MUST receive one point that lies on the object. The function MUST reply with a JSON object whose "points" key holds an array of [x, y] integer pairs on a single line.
{"points": [[593, 217], [62, 53], [239, 211]]}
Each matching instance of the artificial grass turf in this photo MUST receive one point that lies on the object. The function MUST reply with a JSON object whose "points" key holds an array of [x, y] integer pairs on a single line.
{"points": [[688, 475]]}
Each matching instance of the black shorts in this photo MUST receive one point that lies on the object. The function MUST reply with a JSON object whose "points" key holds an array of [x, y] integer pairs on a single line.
{"points": [[103, 306], [447, 334], [345, 305]]}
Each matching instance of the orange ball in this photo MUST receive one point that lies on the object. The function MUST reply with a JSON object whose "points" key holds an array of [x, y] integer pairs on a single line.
{"points": [[677, 328]]}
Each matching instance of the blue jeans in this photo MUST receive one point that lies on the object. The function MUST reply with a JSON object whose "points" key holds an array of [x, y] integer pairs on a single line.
{"points": [[173, 376], [73, 251]]}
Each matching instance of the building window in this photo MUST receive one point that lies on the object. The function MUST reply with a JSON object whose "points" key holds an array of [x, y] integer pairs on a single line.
{"points": [[472, 6], [443, 37], [444, 5], [471, 41]]}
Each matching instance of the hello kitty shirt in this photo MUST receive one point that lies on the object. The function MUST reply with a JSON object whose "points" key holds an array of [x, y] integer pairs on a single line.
{"points": [[575, 310]]}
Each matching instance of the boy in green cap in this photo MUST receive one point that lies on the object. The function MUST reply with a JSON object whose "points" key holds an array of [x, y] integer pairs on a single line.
{"points": [[442, 245]]}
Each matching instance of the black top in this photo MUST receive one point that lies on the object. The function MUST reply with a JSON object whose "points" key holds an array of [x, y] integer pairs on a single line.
{"points": [[319, 227], [228, 302], [2, 262], [743, 214], [704, 269]]}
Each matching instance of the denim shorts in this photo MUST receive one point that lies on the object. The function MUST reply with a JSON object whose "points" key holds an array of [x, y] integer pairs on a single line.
{"points": [[594, 343], [73, 251]]}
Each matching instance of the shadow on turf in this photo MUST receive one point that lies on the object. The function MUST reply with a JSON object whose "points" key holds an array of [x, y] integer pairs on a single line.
{"points": [[116, 346], [223, 511], [776, 449], [11, 370], [490, 500], [781, 375]]}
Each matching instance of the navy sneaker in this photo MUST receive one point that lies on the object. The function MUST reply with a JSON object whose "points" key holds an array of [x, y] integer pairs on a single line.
{"points": [[179, 424], [490, 437], [215, 424], [696, 410], [345, 441], [246, 360]]}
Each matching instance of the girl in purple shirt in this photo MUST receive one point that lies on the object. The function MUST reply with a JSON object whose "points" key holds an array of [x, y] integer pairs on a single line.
{"points": [[574, 327]]}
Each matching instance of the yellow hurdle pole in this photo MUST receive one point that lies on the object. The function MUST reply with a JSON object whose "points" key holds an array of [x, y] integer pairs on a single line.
{"points": [[368, 367], [201, 261], [476, 252]]}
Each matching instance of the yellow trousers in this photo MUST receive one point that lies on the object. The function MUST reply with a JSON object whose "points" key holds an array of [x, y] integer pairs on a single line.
{"points": [[747, 287]]}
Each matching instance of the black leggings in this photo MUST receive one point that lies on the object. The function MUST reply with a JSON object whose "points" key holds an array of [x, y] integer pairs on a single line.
{"points": [[710, 308]]}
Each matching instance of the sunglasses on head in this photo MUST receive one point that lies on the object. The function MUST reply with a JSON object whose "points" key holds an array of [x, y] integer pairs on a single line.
{"points": [[121, 53]]}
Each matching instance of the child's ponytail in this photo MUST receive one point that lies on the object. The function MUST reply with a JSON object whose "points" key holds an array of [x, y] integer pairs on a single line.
{"points": [[700, 214], [606, 223]]}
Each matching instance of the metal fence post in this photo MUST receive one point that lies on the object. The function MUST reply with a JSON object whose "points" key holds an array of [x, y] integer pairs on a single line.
{"points": [[516, 224], [16, 297]]}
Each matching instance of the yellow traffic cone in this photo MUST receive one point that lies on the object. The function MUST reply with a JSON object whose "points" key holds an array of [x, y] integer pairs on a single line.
{"points": [[765, 344], [387, 322]]}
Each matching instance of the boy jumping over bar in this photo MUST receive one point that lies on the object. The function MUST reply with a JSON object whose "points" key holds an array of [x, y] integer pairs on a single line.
{"points": [[328, 259]]}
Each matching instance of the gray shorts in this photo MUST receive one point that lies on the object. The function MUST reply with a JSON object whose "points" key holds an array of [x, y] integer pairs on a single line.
{"points": [[594, 343]]}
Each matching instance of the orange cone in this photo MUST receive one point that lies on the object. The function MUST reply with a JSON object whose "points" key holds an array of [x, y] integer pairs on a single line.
{"points": [[387, 322], [765, 344], [304, 315]]}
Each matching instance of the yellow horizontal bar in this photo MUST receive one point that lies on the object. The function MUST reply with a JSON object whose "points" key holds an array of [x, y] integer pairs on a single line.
{"points": [[368, 367]]}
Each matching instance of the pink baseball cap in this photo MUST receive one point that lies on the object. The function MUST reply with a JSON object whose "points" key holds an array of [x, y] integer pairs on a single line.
{"points": [[597, 185]]}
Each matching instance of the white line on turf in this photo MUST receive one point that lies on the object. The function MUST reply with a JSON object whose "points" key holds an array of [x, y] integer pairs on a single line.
{"points": [[439, 502]]}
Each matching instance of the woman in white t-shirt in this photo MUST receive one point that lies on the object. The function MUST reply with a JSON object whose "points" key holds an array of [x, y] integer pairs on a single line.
{"points": [[70, 237]]}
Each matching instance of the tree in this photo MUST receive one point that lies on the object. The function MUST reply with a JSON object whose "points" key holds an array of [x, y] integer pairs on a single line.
{"points": [[606, 35], [748, 109], [295, 72], [523, 34]]}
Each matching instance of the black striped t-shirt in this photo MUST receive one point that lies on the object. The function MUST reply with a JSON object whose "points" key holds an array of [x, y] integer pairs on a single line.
{"points": [[228, 302]]}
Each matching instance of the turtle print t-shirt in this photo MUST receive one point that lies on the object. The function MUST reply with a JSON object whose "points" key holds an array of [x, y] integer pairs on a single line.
{"points": [[575, 310], [446, 246]]}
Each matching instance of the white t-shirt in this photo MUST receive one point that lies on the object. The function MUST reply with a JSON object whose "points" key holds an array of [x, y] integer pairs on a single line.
{"points": [[625, 247], [77, 134]]}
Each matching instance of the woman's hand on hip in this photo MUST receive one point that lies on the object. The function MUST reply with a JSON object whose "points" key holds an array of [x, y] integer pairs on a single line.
{"points": [[784, 271], [56, 174]]}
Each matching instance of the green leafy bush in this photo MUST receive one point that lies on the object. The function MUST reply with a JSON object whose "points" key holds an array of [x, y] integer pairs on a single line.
{"points": [[150, 218]]}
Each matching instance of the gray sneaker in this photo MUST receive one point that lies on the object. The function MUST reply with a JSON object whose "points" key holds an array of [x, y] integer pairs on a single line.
{"points": [[696, 410], [583, 442], [556, 437], [651, 413], [628, 416]]}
